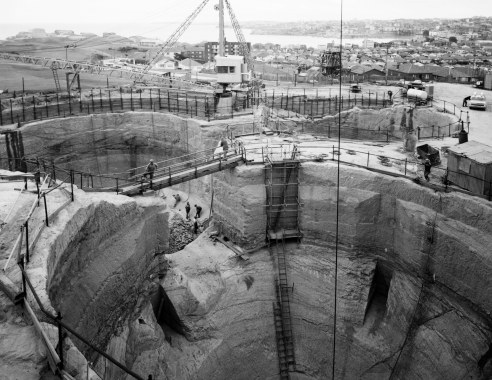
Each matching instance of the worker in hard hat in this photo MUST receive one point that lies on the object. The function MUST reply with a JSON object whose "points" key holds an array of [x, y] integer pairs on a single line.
{"points": [[149, 171]]}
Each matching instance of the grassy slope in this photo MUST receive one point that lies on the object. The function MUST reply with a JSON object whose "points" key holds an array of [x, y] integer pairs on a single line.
{"points": [[38, 78]]}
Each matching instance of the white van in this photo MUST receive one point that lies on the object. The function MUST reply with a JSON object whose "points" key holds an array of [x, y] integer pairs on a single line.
{"points": [[477, 101]]}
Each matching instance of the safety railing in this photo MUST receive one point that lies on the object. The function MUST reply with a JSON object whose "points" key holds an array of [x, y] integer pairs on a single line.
{"points": [[193, 105], [408, 168]]}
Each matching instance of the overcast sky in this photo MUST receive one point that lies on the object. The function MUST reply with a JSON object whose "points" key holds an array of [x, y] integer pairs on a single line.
{"points": [[151, 11]]}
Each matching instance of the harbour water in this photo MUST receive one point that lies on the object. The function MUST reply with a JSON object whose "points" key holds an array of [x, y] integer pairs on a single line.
{"points": [[194, 34]]}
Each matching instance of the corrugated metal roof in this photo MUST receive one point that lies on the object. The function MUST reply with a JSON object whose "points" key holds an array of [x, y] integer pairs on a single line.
{"points": [[474, 150]]}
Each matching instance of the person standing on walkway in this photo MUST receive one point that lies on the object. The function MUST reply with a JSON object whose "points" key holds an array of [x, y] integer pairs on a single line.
{"points": [[187, 208], [151, 168], [225, 146], [198, 211], [427, 169], [465, 101]]}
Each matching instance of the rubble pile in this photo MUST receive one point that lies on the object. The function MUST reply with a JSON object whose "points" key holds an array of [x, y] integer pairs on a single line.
{"points": [[180, 233]]}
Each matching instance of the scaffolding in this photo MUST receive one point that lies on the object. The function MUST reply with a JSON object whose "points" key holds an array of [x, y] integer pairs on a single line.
{"points": [[282, 187]]}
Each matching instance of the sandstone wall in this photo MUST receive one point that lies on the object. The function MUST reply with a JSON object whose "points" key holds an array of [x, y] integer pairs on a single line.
{"points": [[95, 263], [368, 124], [432, 247]]}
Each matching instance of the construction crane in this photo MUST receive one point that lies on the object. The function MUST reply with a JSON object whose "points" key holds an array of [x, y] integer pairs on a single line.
{"points": [[171, 41]]}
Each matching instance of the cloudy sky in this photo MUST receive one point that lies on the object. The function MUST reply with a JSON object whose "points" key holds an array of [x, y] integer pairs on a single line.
{"points": [[152, 11]]}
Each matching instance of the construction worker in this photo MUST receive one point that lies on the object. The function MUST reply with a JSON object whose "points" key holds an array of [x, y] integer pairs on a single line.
{"points": [[198, 211], [187, 208], [427, 169], [177, 199], [195, 226], [225, 146], [151, 168]]}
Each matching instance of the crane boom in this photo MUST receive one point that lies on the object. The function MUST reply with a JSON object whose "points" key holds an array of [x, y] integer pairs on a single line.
{"points": [[243, 46], [167, 46]]}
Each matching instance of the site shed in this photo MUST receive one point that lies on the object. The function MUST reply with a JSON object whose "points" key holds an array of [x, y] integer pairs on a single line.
{"points": [[470, 167]]}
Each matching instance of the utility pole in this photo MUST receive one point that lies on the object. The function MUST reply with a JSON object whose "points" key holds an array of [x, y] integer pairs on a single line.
{"points": [[386, 64]]}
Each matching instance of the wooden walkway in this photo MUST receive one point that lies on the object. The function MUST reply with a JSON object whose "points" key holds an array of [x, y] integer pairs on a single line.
{"points": [[174, 177]]}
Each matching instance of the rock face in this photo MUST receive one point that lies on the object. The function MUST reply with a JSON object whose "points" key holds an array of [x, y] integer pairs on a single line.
{"points": [[371, 124], [413, 272]]}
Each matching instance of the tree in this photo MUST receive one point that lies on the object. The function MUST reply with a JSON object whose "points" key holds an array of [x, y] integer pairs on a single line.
{"points": [[453, 39]]}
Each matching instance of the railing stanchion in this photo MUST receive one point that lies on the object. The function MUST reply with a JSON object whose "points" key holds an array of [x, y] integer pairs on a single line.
{"points": [[71, 183], [26, 226], [406, 166], [117, 185], [60, 340], [46, 210]]}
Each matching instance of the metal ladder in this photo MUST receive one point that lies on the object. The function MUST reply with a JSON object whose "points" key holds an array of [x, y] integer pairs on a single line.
{"points": [[282, 316], [54, 69]]}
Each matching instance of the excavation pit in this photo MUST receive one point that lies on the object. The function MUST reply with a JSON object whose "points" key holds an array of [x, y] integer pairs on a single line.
{"points": [[413, 266]]}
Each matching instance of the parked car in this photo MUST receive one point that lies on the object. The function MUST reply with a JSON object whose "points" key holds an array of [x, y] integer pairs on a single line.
{"points": [[355, 88], [477, 101]]}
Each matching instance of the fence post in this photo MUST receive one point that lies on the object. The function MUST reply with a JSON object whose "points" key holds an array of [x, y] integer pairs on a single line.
{"points": [[34, 108], [60, 339], [168, 102], [177, 101], [367, 159], [406, 166], [121, 98], [92, 101], [46, 105], [186, 102], [26, 226], [45, 210], [81, 183], [71, 182], [418, 133], [196, 107], [110, 104], [11, 112], [333, 152], [101, 99], [117, 185], [150, 96], [23, 110], [140, 97], [131, 98], [159, 94]]}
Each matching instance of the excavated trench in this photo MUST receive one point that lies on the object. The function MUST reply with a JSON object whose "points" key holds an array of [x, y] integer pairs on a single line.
{"points": [[414, 267]]}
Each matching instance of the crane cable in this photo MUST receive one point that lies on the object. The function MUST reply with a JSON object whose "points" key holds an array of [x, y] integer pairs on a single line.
{"points": [[338, 199]]}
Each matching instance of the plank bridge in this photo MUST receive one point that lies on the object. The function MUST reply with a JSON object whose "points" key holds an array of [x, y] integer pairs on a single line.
{"points": [[170, 172]]}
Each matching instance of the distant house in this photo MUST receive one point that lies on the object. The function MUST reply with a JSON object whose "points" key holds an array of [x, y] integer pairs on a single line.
{"points": [[424, 73], [145, 42], [466, 74], [189, 64], [166, 64], [362, 73], [64, 32], [470, 167]]}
